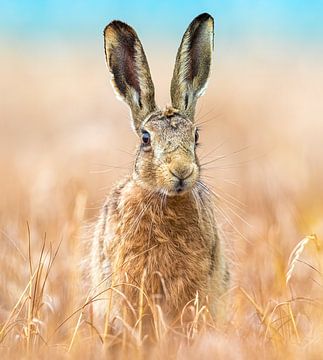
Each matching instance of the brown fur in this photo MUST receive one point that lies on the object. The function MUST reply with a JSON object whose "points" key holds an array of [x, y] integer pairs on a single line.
{"points": [[175, 242], [169, 111], [157, 230]]}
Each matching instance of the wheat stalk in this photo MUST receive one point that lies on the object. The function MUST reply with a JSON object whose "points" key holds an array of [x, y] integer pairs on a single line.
{"points": [[297, 252]]}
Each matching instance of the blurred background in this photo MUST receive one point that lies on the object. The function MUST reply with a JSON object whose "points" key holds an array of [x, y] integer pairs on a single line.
{"points": [[65, 139]]}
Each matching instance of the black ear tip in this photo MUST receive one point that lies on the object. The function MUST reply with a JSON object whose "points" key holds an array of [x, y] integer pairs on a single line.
{"points": [[117, 26], [203, 17]]}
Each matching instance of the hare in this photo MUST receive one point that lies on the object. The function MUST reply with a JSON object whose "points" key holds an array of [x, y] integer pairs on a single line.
{"points": [[156, 239]]}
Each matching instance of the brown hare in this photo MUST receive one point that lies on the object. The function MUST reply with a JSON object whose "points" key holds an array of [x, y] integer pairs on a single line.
{"points": [[156, 239]]}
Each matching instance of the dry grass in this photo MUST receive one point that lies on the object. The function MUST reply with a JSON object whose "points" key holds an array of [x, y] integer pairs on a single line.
{"points": [[65, 139]]}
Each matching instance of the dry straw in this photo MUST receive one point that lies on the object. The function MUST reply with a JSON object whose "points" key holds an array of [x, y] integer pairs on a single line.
{"points": [[297, 252]]}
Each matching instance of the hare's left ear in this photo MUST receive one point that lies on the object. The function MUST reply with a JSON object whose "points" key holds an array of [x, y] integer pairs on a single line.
{"points": [[128, 65], [193, 64]]}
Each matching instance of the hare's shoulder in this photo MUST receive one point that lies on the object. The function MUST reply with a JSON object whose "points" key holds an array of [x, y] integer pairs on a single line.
{"points": [[105, 228], [110, 209]]}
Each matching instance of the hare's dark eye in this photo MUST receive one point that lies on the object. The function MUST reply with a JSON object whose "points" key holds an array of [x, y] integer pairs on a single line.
{"points": [[145, 137], [197, 135]]}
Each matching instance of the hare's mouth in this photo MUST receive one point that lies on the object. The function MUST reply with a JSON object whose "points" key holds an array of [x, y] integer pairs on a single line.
{"points": [[182, 185], [173, 182]]}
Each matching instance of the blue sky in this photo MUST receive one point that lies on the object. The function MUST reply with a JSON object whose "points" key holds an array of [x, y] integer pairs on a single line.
{"points": [[66, 20]]}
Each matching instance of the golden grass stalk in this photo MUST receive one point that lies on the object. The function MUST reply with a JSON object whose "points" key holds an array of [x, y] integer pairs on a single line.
{"points": [[141, 303], [297, 252], [108, 311], [263, 317], [4, 327]]}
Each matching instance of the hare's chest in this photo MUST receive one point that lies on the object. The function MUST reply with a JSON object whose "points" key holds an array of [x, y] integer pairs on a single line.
{"points": [[167, 246], [173, 258]]}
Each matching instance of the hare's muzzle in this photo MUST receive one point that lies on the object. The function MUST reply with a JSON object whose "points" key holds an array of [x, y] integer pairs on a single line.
{"points": [[182, 175]]}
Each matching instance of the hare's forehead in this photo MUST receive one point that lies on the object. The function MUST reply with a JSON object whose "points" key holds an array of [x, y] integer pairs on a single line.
{"points": [[170, 127]]}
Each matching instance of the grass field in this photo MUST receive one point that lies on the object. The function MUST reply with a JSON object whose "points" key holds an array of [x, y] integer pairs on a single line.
{"points": [[65, 140]]}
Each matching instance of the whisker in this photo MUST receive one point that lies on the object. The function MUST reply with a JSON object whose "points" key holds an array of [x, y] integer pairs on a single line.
{"points": [[209, 213], [206, 190], [225, 156], [140, 215], [229, 204], [214, 117], [233, 182], [233, 201], [227, 167], [109, 168], [214, 150], [197, 199], [206, 114]]}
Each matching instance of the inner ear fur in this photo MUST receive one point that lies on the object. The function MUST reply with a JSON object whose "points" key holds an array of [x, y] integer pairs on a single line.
{"points": [[128, 65], [193, 64]]}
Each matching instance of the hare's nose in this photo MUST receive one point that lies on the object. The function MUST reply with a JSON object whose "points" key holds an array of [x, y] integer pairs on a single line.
{"points": [[182, 172]]}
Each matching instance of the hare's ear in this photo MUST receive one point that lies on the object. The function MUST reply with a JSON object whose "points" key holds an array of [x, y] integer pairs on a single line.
{"points": [[193, 63], [128, 65]]}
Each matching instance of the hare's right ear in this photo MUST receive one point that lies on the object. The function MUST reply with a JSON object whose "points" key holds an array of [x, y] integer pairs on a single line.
{"points": [[128, 65], [193, 64]]}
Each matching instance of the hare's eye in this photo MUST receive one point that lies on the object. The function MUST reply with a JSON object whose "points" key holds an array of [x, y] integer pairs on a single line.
{"points": [[197, 135], [145, 137]]}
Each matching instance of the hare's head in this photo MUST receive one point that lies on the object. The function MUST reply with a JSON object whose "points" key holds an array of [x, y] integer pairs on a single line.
{"points": [[166, 159]]}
